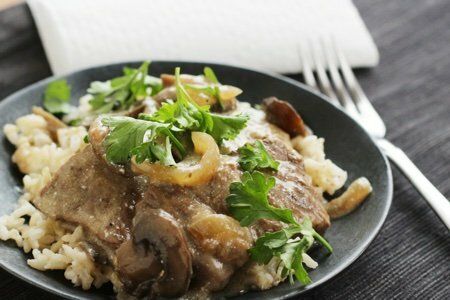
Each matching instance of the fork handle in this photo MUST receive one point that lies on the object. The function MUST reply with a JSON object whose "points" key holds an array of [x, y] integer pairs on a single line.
{"points": [[435, 199]]}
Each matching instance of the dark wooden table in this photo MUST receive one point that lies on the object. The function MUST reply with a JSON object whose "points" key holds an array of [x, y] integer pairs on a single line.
{"points": [[410, 258]]}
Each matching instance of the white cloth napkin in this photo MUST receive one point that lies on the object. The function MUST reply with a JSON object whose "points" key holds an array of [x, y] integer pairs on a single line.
{"points": [[263, 34]]}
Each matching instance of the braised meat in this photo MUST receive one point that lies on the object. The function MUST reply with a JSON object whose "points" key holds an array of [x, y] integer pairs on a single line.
{"points": [[163, 239], [85, 192]]}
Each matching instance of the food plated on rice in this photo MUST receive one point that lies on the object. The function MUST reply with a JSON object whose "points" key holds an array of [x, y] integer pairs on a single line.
{"points": [[170, 186]]}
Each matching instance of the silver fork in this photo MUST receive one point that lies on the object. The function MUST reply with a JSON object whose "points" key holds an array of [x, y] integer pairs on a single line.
{"points": [[345, 91]]}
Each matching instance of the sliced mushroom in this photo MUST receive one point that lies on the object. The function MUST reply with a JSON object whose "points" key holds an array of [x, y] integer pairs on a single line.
{"points": [[166, 94], [139, 266], [283, 115], [184, 173], [53, 123], [158, 228], [135, 110]]}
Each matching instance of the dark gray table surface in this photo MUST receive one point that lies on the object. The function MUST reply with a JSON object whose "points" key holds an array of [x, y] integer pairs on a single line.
{"points": [[410, 258]]}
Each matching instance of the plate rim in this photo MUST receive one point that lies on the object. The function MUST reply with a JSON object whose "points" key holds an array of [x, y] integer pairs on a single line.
{"points": [[349, 261]]}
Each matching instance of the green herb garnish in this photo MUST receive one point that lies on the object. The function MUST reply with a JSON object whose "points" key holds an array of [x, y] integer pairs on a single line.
{"points": [[248, 203], [210, 75], [211, 90], [57, 97], [150, 137], [248, 200], [187, 115], [282, 244], [122, 92], [255, 156], [75, 122], [145, 139]]}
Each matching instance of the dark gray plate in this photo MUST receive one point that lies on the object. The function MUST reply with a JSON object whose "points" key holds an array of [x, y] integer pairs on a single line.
{"points": [[346, 144]]}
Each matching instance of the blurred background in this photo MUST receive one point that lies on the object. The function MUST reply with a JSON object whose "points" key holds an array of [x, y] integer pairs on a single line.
{"points": [[8, 3]]}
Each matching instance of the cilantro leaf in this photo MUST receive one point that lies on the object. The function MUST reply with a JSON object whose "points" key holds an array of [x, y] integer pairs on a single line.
{"points": [[248, 200], [57, 97], [130, 136], [256, 157]]}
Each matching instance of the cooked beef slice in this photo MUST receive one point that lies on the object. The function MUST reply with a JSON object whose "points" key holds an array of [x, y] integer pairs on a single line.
{"points": [[85, 192]]}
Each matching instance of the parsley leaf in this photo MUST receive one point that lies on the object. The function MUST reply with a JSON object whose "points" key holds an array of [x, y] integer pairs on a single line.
{"points": [[215, 91], [263, 252], [142, 138], [211, 89], [291, 255], [290, 250], [150, 137], [122, 92], [248, 200], [210, 75], [57, 97], [227, 127], [187, 115], [256, 157]]}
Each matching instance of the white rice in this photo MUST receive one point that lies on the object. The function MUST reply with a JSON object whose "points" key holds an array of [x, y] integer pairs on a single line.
{"points": [[52, 247], [55, 248], [324, 173]]}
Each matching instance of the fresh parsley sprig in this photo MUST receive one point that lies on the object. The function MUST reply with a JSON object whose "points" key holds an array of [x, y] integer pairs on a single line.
{"points": [[145, 139], [122, 92], [290, 250], [57, 97], [248, 200], [187, 115], [248, 203], [211, 89], [255, 156], [150, 137]]}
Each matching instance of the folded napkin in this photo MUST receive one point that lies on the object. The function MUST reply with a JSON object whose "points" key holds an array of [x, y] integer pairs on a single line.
{"points": [[264, 34]]}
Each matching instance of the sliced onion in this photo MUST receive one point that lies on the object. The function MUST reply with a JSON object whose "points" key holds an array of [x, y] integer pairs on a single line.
{"points": [[183, 174], [228, 92], [356, 193]]}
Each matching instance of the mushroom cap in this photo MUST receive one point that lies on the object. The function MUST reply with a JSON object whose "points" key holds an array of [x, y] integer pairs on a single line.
{"points": [[139, 266], [284, 115], [158, 228]]}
